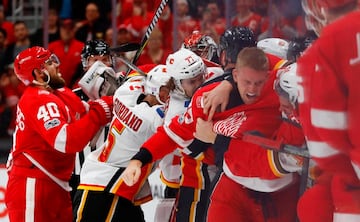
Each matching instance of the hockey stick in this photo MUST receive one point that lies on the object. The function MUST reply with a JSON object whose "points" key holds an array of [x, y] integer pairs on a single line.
{"points": [[126, 47], [278, 146], [131, 66], [275, 145], [148, 32]]}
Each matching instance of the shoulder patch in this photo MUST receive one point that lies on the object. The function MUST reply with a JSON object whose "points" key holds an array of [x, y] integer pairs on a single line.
{"points": [[51, 123], [161, 112]]}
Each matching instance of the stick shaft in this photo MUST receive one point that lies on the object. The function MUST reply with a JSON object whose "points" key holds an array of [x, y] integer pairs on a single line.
{"points": [[149, 30]]}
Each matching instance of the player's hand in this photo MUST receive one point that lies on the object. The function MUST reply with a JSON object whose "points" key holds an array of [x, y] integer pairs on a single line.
{"points": [[216, 99], [204, 131], [132, 172], [106, 103]]}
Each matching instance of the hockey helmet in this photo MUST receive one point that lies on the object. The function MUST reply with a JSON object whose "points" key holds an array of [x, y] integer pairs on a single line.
{"points": [[297, 46], [30, 59], [330, 4], [233, 40], [184, 64], [312, 9], [286, 83], [155, 79], [274, 46], [94, 47], [314, 17], [203, 45]]}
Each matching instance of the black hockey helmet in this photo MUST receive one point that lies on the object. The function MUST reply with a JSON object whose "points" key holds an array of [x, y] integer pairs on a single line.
{"points": [[94, 47], [297, 46], [234, 39]]}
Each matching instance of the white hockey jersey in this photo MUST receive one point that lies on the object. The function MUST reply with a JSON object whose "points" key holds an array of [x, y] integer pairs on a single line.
{"points": [[170, 164], [130, 91], [131, 126]]}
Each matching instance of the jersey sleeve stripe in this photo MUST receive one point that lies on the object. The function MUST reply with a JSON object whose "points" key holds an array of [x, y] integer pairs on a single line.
{"points": [[329, 119]]}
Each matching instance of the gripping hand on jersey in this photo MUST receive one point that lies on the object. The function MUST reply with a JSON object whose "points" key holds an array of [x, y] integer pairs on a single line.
{"points": [[216, 98], [103, 107], [204, 131], [132, 172]]}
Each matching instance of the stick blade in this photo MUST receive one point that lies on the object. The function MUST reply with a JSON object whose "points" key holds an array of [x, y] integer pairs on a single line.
{"points": [[126, 47]]}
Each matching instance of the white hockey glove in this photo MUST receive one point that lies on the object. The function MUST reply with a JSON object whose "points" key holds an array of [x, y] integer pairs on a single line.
{"points": [[99, 80]]}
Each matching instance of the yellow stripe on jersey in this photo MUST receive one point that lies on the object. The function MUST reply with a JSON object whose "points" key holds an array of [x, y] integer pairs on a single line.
{"points": [[273, 165], [112, 209], [169, 183], [81, 205], [199, 174], [90, 187], [196, 199], [280, 64]]}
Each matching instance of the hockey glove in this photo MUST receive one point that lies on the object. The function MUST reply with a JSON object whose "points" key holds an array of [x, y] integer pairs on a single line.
{"points": [[104, 107], [99, 80]]}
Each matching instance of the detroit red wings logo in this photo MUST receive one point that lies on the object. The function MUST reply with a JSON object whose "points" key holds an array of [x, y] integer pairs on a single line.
{"points": [[229, 126]]}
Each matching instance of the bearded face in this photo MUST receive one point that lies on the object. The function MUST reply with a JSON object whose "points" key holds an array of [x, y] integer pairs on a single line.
{"points": [[51, 70], [56, 81]]}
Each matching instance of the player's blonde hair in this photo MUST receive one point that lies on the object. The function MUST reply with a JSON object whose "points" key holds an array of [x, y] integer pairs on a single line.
{"points": [[254, 58]]}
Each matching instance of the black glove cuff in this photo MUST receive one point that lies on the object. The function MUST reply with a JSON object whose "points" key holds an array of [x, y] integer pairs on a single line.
{"points": [[198, 146], [143, 155]]}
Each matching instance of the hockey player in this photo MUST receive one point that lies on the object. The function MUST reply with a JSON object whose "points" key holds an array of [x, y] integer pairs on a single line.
{"points": [[231, 42], [329, 111], [285, 85], [203, 46], [98, 79], [195, 173], [93, 50], [281, 163], [274, 46], [188, 71], [248, 106], [298, 45], [52, 125], [102, 195], [191, 207], [251, 173]]}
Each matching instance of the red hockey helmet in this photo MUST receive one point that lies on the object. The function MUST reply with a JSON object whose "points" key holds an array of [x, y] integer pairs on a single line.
{"points": [[329, 4], [28, 60], [203, 45], [312, 8], [314, 18]]}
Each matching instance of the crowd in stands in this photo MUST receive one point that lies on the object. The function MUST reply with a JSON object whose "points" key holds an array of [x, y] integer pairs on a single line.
{"points": [[72, 23]]}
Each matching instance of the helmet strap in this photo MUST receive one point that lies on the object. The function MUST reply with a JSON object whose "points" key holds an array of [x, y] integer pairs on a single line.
{"points": [[45, 83]]}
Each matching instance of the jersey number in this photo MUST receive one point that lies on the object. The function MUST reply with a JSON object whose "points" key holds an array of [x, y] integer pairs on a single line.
{"points": [[50, 110], [116, 129]]}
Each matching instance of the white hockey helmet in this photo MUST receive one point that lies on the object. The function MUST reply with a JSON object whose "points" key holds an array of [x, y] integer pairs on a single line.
{"points": [[286, 83], [184, 64], [155, 79], [274, 46]]}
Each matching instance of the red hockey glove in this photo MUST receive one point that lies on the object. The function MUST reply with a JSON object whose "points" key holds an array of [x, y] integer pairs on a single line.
{"points": [[104, 106]]}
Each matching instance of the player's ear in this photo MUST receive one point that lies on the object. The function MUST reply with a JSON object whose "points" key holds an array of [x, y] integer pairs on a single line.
{"points": [[235, 74], [39, 76], [164, 93]]}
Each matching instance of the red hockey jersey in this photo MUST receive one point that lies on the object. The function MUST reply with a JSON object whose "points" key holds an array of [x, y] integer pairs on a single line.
{"points": [[242, 159], [44, 124], [330, 94]]}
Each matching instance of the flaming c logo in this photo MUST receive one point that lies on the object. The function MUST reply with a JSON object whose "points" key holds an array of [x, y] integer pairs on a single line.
{"points": [[171, 61]]}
